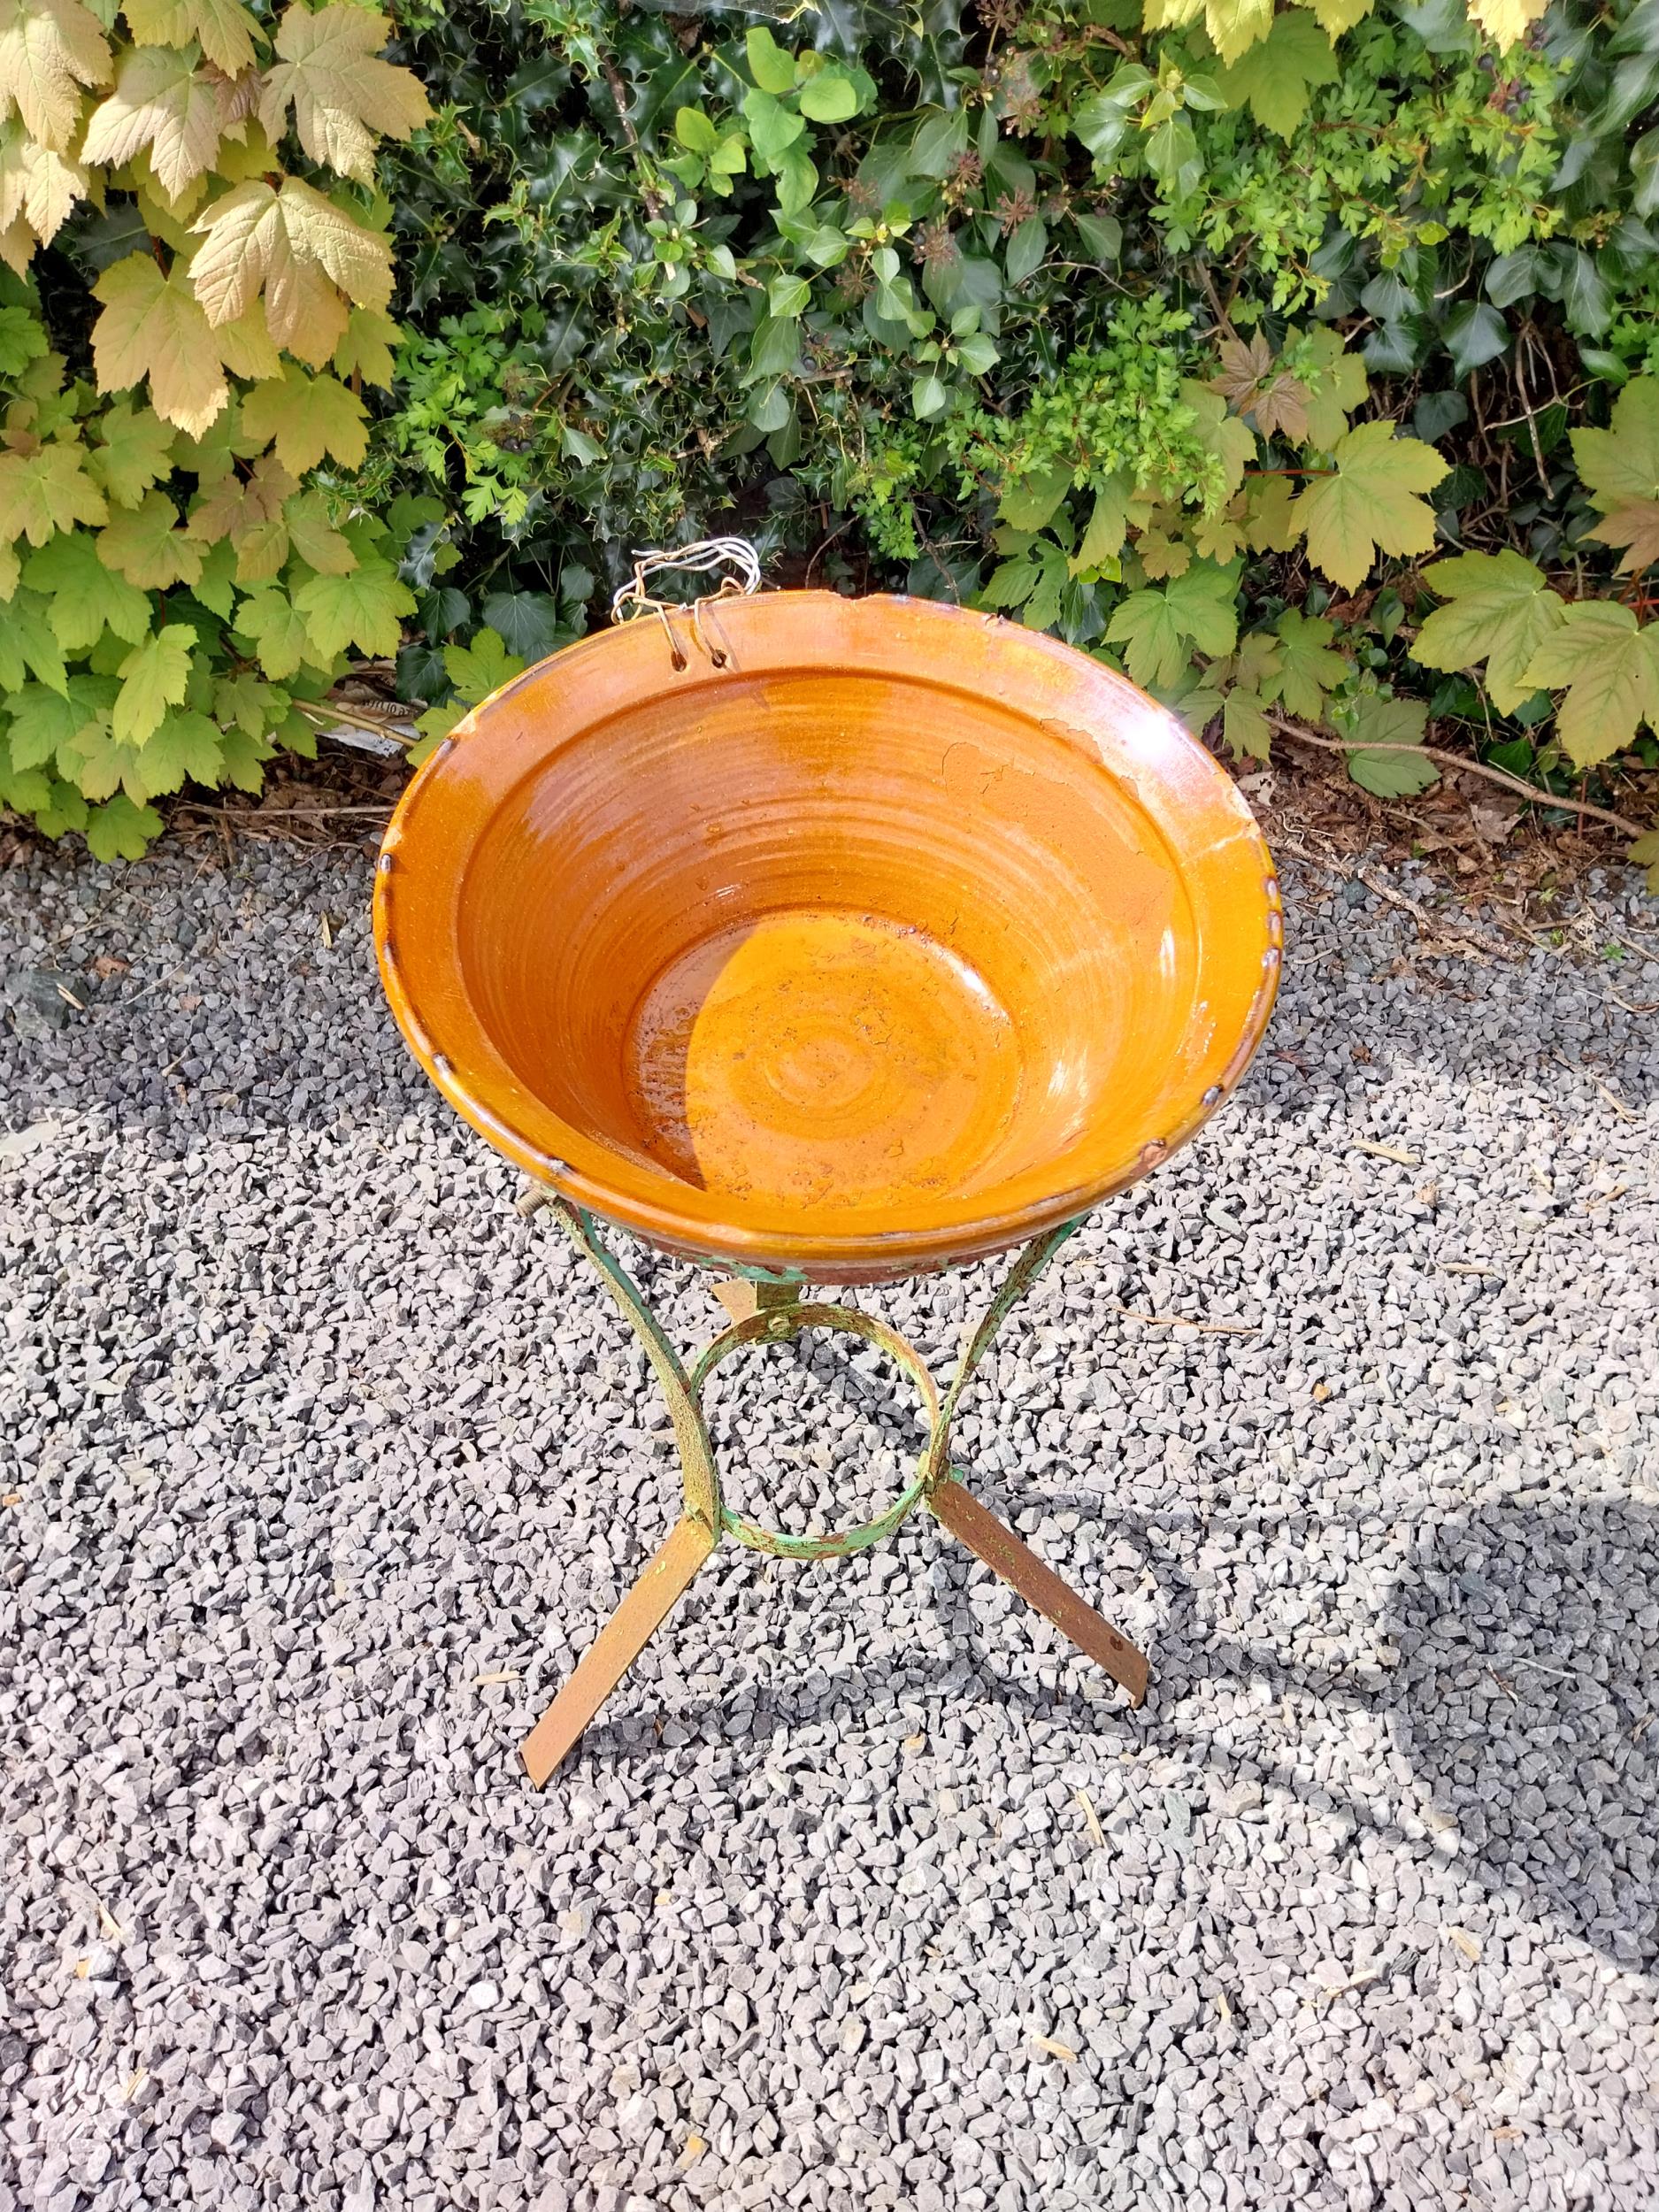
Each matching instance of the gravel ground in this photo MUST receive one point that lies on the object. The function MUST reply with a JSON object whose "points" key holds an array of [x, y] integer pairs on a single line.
{"points": [[319, 1467]]}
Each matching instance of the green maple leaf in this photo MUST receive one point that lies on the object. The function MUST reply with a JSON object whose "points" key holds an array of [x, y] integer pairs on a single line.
{"points": [[343, 95], [1244, 724], [1391, 765], [184, 747], [154, 676], [27, 643], [242, 702], [46, 491], [102, 766], [22, 339], [144, 544], [136, 452], [153, 327], [1371, 504], [1158, 629], [366, 348], [1498, 609], [42, 721], [277, 630], [362, 609], [243, 759], [1333, 383], [1620, 466], [307, 417], [1276, 77], [1610, 668], [121, 830], [82, 595], [314, 538], [481, 667], [1308, 669], [1108, 526], [215, 587], [1232, 441]]}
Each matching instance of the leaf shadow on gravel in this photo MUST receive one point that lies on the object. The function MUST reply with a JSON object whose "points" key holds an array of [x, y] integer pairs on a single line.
{"points": [[1518, 1687]]}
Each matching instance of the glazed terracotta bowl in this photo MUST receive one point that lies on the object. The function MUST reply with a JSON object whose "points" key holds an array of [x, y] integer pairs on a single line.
{"points": [[902, 935]]}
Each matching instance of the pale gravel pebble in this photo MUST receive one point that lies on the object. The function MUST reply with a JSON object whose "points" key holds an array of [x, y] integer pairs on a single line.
{"points": [[307, 1432]]}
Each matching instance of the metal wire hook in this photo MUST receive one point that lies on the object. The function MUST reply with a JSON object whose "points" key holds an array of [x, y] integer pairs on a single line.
{"points": [[703, 558]]}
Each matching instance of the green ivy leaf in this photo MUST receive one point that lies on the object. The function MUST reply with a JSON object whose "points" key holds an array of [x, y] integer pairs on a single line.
{"points": [[1390, 766], [831, 96], [772, 70], [773, 128]]}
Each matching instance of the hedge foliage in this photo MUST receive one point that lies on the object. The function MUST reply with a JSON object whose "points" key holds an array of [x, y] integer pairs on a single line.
{"points": [[197, 276], [1303, 361]]}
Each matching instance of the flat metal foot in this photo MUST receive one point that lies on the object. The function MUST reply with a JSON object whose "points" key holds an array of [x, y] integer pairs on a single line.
{"points": [[617, 1645], [1018, 1565]]}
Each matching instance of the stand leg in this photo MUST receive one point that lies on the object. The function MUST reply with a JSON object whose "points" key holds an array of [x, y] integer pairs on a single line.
{"points": [[617, 1645], [1018, 1565]]}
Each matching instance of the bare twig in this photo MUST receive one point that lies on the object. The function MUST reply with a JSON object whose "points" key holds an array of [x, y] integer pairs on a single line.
{"points": [[1460, 761]]}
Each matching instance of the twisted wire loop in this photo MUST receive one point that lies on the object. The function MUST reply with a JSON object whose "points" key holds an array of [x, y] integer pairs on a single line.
{"points": [[783, 1316], [707, 556]]}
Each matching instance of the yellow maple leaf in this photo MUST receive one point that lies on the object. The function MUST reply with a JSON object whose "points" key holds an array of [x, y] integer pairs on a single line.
{"points": [[1505, 22], [18, 242], [159, 102], [342, 93], [295, 247], [51, 185], [1369, 502], [49, 50], [224, 29], [152, 325]]}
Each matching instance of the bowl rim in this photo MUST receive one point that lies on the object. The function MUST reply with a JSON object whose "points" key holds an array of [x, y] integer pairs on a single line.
{"points": [[1110, 720]]}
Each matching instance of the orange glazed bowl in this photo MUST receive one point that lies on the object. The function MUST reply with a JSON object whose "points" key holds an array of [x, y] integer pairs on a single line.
{"points": [[904, 934]]}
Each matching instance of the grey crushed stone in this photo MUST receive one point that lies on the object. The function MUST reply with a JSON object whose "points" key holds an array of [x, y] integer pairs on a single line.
{"points": [[319, 1467]]}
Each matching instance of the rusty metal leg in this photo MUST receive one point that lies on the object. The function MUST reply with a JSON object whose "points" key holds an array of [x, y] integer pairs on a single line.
{"points": [[631, 1627], [1019, 1566], [971, 1524], [617, 1645]]}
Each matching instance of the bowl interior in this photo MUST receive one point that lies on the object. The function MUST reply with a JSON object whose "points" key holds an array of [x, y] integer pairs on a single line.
{"points": [[897, 937], [830, 942]]}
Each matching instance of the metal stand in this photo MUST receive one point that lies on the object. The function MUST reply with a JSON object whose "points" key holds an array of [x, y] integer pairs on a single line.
{"points": [[765, 1312]]}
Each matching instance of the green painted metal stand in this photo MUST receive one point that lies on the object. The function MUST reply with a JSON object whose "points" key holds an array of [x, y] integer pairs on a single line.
{"points": [[780, 1312]]}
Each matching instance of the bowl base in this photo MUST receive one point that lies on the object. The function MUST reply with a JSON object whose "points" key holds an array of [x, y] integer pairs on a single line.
{"points": [[819, 1057]]}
